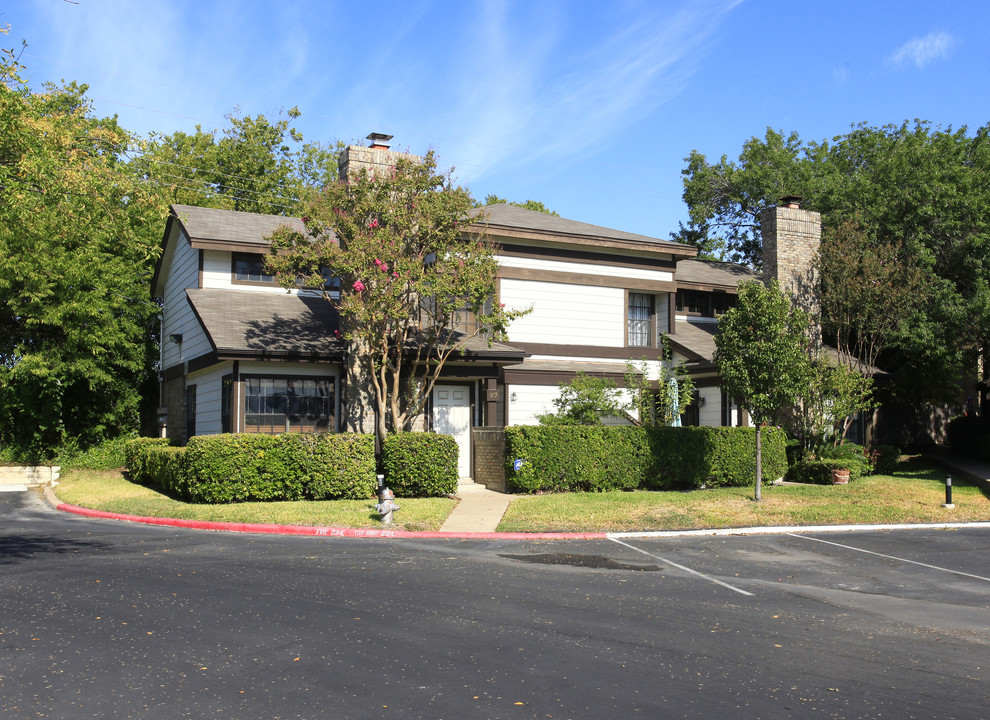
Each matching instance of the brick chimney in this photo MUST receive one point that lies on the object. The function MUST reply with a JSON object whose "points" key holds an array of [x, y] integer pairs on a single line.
{"points": [[791, 237], [376, 158]]}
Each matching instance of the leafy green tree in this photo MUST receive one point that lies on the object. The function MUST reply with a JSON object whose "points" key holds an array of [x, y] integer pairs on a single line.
{"points": [[918, 189], [253, 165], [405, 272], [528, 205], [585, 400], [761, 354], [78, 239], [834, 395]]}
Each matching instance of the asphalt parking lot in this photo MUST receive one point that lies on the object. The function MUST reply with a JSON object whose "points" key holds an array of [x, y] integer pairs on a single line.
{"points": [[104, 618]]}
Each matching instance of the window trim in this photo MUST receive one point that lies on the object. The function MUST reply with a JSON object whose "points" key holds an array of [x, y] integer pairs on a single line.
{"points": [[651, 333], [244, 381], [190, 411], [234, 280]]}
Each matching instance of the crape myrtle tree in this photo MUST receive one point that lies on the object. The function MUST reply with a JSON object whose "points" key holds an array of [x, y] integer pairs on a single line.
{"points": [[761, 350], [919, 194], [78, 241], [405, 263]]}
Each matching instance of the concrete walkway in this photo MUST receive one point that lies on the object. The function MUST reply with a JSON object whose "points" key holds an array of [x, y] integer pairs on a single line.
{"points": [[479, 510]]}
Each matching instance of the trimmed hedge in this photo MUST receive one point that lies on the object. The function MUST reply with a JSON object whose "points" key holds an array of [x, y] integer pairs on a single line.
{"points": [[136, 456], [420, 464], [597, 458], [240, 467]]}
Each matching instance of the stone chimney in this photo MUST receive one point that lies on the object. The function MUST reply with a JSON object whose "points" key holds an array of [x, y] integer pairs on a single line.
{"points": [[377, 158], [791, 237]]}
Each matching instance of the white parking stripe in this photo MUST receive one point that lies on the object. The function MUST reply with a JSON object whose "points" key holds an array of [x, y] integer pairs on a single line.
{"points": [[681, 567], [891, 557]]}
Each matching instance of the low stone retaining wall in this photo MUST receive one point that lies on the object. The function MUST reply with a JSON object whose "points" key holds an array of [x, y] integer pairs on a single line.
{"points": [[31, 475]]}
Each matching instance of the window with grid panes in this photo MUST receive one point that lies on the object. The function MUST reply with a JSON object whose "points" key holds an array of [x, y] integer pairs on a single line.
{"points": [[275, 405], [639, 319]]}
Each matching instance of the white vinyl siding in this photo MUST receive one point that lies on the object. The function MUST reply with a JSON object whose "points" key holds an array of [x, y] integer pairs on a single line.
{"points": [[183, 272], [218, 273], [565, 314], [208, 392], [530, 401], [586, 269], [710, 413]]}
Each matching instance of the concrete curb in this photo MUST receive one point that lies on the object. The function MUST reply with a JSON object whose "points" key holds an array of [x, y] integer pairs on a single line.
{"points": [[313, 531]]}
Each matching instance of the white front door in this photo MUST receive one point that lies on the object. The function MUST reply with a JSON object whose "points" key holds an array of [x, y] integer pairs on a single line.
{"points": [[452, 416]]}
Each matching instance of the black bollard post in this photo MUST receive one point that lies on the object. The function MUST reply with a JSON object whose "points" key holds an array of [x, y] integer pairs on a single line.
{"points": [[948, 492]]}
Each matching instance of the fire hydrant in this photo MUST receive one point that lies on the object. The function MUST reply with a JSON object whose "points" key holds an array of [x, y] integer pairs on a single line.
{"points": [[386, 506]]}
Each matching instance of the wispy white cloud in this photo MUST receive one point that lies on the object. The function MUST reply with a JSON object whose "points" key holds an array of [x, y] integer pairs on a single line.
{"points": [[534, 95], [922, 51]]}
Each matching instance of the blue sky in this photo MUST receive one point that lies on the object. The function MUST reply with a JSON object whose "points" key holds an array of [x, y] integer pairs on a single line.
{"points": [[589, 107]]}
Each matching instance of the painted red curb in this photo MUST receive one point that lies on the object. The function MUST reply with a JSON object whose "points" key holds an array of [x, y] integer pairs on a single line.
{"points": [[322, 531]]}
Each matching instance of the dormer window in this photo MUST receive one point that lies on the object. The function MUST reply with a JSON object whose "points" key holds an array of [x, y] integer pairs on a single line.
{"points": [[704, 304], [250, 268]]}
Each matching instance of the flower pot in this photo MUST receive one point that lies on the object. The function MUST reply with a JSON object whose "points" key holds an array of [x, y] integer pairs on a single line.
{"points": [[840, 477]]}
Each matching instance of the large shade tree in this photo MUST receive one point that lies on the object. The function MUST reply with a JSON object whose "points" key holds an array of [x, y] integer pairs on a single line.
{"points": [[761, 350], [406, 269], [78, 237], [255, 164], [919, 194]]}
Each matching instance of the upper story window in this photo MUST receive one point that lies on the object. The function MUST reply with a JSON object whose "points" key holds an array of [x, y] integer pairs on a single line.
{"points": [[639, 320], [704, 304], [250, 268]]}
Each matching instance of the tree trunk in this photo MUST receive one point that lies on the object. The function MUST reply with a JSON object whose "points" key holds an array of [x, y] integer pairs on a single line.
{"points": [[759, 462], [358, 403]]}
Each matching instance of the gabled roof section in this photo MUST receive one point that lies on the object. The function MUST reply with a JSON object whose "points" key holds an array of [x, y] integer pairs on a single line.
{"points": [[260, 324], [506, 220], [230, 229], [709, 274], [695, 340]]}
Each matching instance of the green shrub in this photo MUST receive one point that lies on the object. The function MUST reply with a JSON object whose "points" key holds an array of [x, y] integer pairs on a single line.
{"points": [[885, 459], [418, 464], [598, 458], [556, 458], [818, 471], [852, 458], [246, 467], [164, 467], [108, 455], [136, 457], [336, 466]]}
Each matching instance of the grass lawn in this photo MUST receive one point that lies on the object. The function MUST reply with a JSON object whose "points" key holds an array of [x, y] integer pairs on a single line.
{"points": [[109, 491], [914, 494]]}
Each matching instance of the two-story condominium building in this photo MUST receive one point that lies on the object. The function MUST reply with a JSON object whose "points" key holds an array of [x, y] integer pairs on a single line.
{"points": [[241, 354]]}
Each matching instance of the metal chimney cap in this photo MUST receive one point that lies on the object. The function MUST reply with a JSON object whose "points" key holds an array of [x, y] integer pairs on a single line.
{"points": [[791, 201], [379, 139]]}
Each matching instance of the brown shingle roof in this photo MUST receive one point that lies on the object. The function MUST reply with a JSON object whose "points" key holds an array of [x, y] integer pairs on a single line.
{"points": [[515, 218], [280, 324], [697, 340], [709, 272], [231, 226], [267, 324]]}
